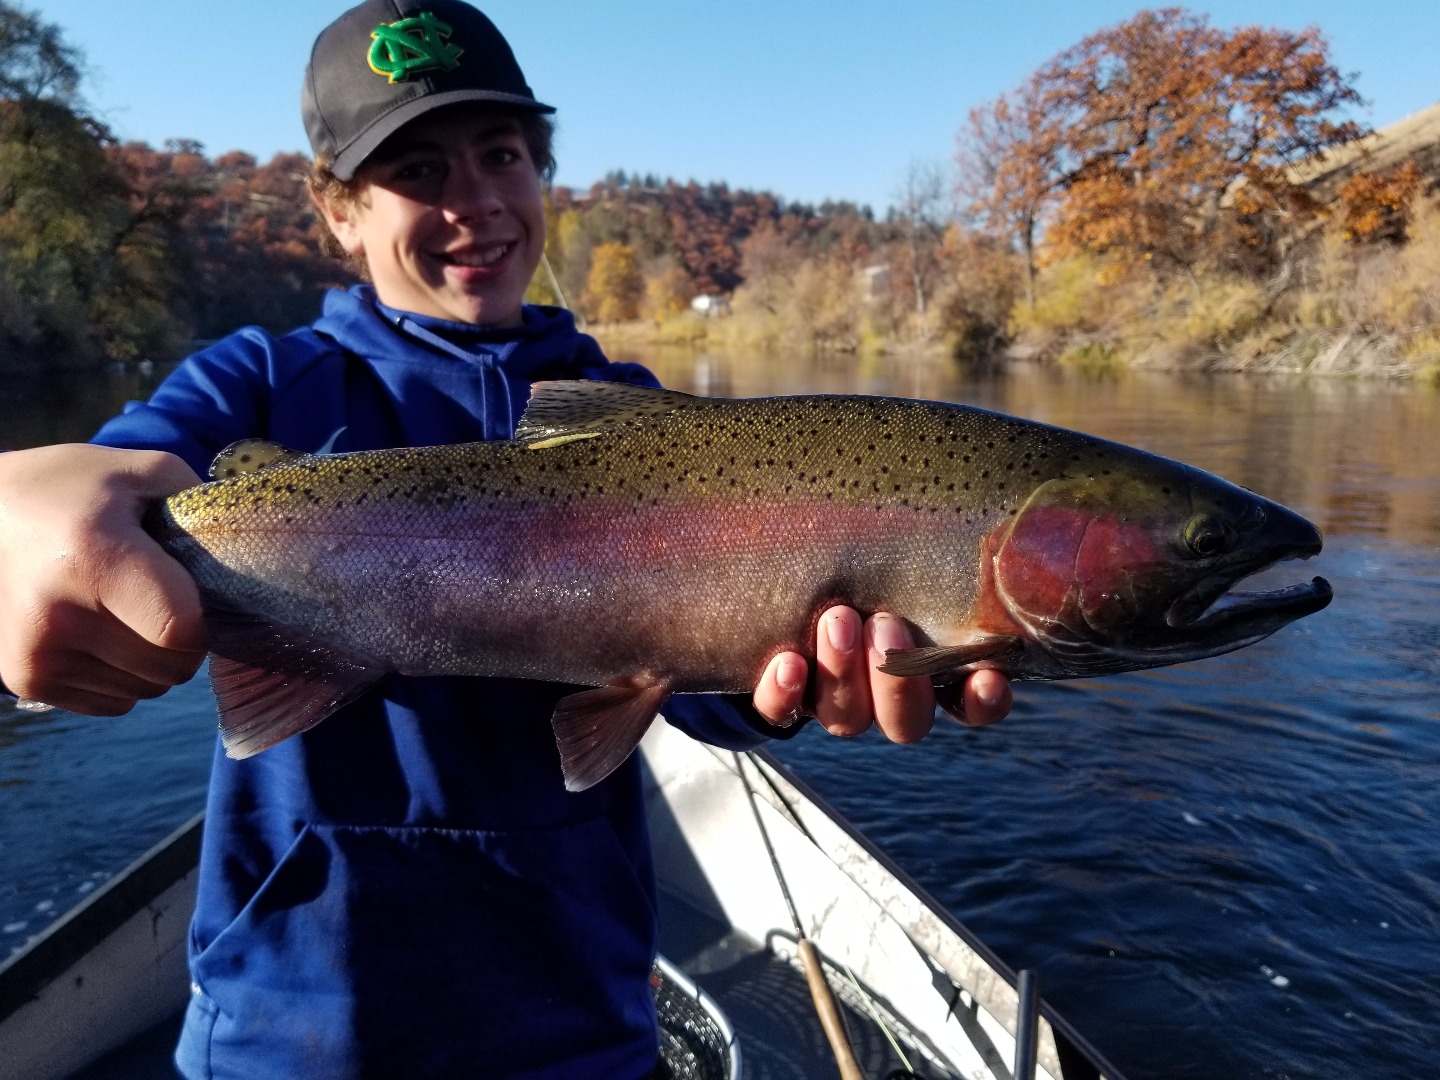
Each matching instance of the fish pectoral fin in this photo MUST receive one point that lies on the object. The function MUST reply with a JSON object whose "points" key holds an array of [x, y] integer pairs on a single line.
{"points": [[272, 681], [250, 456], [596, 730], [586, 407], [939, 659]]}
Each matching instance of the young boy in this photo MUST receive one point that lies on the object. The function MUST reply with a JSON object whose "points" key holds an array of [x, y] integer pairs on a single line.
{"points": [[406, 890]]}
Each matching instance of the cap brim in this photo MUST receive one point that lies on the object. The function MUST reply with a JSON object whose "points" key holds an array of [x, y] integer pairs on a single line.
{"points": [[351, 158]]}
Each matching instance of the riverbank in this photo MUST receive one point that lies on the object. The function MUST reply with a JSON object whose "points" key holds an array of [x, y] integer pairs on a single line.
{"points": [[1341, 352]]}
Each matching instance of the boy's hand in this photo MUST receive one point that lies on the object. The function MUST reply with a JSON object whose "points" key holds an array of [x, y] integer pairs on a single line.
{"points": [[93, 614], [851, 692]]}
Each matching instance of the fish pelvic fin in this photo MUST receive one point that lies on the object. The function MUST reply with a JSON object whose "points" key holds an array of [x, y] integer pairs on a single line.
{"points": [[596, 730], [940, 659], [250, 456], [578, 407], [273, 681]]}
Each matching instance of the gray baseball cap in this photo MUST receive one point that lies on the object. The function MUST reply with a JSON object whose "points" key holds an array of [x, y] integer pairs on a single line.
{"points": [[385, 62]]}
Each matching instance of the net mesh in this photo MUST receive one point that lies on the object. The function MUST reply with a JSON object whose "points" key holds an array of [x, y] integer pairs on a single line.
{"points": [[692, 1044]]}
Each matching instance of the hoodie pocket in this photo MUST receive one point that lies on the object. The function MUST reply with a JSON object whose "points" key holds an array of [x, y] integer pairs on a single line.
{"points": [[374, 951]]}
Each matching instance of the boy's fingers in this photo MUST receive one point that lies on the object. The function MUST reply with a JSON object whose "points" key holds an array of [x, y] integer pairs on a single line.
{"points": [[983, 698], [842, 683], [904, 708], [153, 597], [780, 697]]}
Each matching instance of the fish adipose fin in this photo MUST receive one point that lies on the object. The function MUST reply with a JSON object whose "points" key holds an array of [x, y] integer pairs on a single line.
{"points": [[250, 456], [596, 730], [939, 659], [272, 682], [584, 406]]}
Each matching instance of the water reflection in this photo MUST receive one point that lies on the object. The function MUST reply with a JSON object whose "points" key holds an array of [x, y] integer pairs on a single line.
{"points": [[38, 408]]}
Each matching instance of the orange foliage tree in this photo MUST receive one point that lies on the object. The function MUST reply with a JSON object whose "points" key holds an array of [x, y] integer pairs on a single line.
{"points": [[614, 287], [1376, 206], [1161, 139]]}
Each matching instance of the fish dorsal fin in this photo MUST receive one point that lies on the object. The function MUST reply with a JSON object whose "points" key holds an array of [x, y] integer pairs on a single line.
{"points": [[250, 456], [584, 406]]}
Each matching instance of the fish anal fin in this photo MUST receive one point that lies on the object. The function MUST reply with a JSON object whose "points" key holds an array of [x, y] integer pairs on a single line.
{"points": [[940, 659], [250, 456], [587, 406], [274, 681], [596, 730]]}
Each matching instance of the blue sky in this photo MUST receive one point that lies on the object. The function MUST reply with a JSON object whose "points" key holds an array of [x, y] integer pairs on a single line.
{"points": [[807, 100]]}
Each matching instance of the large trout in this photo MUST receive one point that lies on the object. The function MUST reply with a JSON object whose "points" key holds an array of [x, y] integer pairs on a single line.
{"points": [[646, 542]]}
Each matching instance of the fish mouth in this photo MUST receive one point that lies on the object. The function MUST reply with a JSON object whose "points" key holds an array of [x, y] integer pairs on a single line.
{"points": [[1213, 611]]}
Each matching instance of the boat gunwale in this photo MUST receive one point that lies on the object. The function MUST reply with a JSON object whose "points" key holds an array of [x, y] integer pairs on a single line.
{"points": [[56, 949], [1058, 1023]]}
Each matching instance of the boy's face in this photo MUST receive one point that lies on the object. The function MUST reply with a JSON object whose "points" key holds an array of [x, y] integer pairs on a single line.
{"points": [[449, 217]]}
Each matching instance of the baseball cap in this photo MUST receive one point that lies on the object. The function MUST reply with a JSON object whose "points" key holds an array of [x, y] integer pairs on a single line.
{"points": [[385, 62]]}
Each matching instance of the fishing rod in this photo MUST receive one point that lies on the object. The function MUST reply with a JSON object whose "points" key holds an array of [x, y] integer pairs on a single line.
{"points": [[820, 993], [1027, 1018]]}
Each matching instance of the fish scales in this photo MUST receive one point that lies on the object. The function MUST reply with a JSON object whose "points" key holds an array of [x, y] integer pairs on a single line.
{"points": [[650, 538], [621, 538]]}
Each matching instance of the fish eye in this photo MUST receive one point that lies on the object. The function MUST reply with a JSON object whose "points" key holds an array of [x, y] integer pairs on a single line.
{"points": [[1206, 536]]}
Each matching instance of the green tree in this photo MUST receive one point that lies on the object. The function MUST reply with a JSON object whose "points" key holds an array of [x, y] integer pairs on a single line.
{"points": [[35, 62], [86, 236]]}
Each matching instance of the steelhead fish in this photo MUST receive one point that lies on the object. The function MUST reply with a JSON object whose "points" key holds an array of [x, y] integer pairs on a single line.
{"points": [[647, 542]]}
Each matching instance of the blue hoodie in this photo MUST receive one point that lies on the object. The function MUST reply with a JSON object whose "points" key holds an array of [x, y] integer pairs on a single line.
{"points": [[408, 889]]}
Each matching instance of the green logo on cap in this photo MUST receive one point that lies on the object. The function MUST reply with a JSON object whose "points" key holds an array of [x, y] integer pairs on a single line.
{"points": [[411, 47]]}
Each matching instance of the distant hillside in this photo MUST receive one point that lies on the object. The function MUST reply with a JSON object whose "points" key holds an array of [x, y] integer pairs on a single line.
{"points": [[1415, 138]]}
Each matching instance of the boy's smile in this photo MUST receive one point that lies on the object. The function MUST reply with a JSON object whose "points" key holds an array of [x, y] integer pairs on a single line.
{"points": [[449, 217]]}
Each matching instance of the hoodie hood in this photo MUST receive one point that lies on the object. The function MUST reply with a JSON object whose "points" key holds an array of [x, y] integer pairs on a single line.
{"points": [[440, 369]]}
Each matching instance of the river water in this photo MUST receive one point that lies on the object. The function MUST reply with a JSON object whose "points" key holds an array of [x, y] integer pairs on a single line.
{"points": [[1222, 870]]}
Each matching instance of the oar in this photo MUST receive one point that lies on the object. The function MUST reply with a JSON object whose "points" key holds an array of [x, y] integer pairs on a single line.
{"points": [[825, 1005]]}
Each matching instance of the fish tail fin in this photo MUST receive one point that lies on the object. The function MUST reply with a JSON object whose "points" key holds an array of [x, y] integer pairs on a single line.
{"points": [[273, 681], [596, 730]]}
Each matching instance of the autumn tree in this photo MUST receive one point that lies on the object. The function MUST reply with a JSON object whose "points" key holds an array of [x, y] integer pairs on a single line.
{"points": [[921, 213], [668, 289], [1377, 206], [614, 287], [1010, 169], [1163, 139]]}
